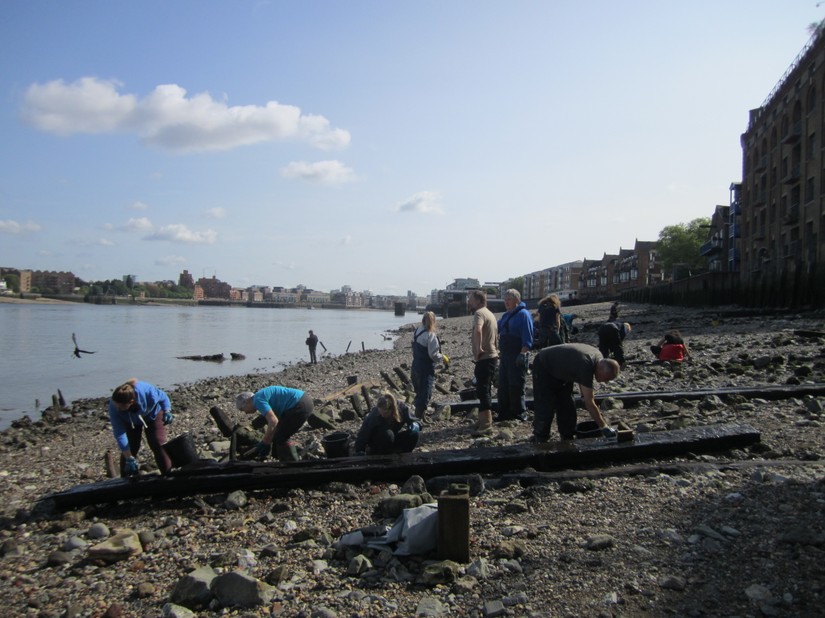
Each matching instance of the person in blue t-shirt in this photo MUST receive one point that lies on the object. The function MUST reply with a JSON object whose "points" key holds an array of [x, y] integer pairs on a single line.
{"points": [[136, 408], [285, 410]]}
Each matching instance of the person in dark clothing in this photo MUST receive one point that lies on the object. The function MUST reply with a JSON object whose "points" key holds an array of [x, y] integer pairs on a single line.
{"points": [[549, 327], [614, 311], [388, 428], [555, 370], [515, 340], [312, 344], [611, 340]]}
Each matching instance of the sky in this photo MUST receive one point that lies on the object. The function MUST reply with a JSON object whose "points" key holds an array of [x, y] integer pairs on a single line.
{"points": [[385, 145]]}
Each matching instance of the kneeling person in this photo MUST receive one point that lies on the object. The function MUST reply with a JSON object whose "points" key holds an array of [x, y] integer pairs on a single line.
{"points": [[285, 410], [555, 370], [388, 428]]}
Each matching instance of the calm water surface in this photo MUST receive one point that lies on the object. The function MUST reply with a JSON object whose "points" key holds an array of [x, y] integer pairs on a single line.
{"points": [[130, 341]]}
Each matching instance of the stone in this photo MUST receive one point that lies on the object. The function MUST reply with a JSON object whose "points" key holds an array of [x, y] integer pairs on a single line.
{"points": [[444, 572], [672, 582], [170, 610], [123, 544], [193, 590], [429, 607], [98, 531], [599, 542], [395, 505], [236, 589], [236, 500]]}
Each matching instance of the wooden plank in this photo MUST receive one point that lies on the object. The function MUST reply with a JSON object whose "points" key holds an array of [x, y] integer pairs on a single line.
{"points": [[770, 392], [213, 477], [349, 390]]}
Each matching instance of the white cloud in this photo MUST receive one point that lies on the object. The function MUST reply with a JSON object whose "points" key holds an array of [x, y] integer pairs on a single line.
{"points": [[138, 205], [141, 224], [168, 119], [346, 240], [105, 242], [324, 172], [180, 233], [18, 229], [425, 202], [215, 213], [170, 260]]}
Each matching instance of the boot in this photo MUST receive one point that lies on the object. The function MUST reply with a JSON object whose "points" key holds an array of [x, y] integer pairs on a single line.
{"points": [[485, 422], [286, 452]]}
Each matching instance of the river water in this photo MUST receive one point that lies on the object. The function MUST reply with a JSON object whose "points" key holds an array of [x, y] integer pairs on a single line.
{"points": [[144, 341]]}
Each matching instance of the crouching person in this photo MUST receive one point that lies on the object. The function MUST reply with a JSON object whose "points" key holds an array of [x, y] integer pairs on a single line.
{"points": [[285, 410], [136, 408], [388, 428]]}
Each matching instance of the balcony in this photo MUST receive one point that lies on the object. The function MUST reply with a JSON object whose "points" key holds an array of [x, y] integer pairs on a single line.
{"points": [[714, 245], [733, 255], [735, 208], [734, 231]]}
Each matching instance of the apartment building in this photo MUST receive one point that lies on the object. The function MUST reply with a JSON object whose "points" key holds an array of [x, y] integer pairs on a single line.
{"points": [[779, 213]]}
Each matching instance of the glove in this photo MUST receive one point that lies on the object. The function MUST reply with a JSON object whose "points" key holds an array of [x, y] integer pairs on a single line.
{"points": [[168, 417], [263, 450], [446, 359], [414, 427], [608, 432], [522, 360], [130, 466]]}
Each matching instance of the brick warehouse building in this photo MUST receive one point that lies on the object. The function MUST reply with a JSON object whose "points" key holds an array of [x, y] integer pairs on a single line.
{"points": [[780, 214]]}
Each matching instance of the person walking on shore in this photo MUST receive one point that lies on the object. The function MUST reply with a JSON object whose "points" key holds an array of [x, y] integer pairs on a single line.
{"points": [[426, 353], [485, 356], [388, 428], [285, 410], [136, 408], [312, 344], [555, 370], [515, 336], [549, 312]]}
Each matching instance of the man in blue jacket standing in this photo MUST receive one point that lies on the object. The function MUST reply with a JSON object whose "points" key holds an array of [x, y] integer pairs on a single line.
{"points": [[515, 335]]}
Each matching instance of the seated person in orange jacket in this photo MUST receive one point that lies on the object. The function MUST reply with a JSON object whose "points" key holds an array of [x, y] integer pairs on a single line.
{"points": [[671, 347]]}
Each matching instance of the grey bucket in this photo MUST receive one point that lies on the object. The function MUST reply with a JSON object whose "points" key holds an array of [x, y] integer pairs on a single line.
{"points": [[336, 444], [181, 450]]}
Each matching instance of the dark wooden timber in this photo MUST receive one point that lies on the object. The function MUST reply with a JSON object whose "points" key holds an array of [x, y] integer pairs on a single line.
{"points": [[771, 392], [213, 477]]}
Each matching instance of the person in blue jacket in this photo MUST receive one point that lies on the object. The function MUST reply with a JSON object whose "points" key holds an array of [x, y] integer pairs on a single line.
{"points": [[388, 428], [285, 410], [136, 408], [515, 340]]}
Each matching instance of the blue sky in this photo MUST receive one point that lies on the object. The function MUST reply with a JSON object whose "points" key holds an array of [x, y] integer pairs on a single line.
{"points": [[389, 146]]}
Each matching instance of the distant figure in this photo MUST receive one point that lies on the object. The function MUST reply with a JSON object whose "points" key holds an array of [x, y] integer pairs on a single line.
{"points": [[77, 351], [611, 340], [485, 357], [555, 370], [567, 329], [614, 311], [515, 340], [134, 409], [671, 347], [426, 351], [388, 428], [285, 410], [549, 330], [312, 343]]}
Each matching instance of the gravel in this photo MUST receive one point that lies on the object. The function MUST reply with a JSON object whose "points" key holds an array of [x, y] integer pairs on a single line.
{"points": [[736, 533]]}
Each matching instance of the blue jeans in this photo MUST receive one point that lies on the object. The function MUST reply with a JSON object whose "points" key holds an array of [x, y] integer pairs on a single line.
{"points": [[511, 381], [423, 381]]}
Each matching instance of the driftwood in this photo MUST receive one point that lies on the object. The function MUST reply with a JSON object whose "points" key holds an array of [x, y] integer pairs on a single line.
{"points": [[403, 376], [218, 358], [772, 392], [388, 378], [365, 393], [212, 477], [349, 390]]}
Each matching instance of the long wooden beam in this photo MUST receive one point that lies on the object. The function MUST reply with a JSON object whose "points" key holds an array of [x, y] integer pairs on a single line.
{"points": [[771, 392], [213, 477]]}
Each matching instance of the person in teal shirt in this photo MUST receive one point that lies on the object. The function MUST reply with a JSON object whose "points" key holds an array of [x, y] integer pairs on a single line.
{"points": [[285, 410]]}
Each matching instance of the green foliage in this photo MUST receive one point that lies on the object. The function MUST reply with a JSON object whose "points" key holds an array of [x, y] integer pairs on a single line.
{"points": [[680, 244], [518, 284], [12, 282]]}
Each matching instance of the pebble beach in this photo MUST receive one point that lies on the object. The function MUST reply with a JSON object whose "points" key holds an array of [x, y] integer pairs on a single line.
{"points": [[733, 533]]}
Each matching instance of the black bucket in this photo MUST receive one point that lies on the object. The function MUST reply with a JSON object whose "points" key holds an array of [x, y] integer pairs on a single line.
{"points": [[588, 429], [466, 394], [181, 450], [336, 444]]}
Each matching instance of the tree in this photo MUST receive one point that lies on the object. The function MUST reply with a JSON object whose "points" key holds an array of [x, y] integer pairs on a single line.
{"points": [[517, 283], [680, 244], [12, 282]]}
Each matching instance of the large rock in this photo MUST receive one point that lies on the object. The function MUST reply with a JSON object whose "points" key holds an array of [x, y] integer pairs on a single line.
{"points": [[122, 545], [240, 590], [193, 590]]}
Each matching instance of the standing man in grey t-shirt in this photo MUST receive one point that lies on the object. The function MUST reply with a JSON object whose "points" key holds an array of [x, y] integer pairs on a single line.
{"points": [[485, 356], [555, 370]]}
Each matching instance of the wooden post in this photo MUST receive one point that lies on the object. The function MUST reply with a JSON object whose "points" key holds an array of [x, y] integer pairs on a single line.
{"points": [[55, 402], [323, 346], [112, 469], [402, 375], [365, 393], [363, 349], [389, 380], [356, 405], [348, 345], [454, 523], [61, 399], [221, 420]]}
